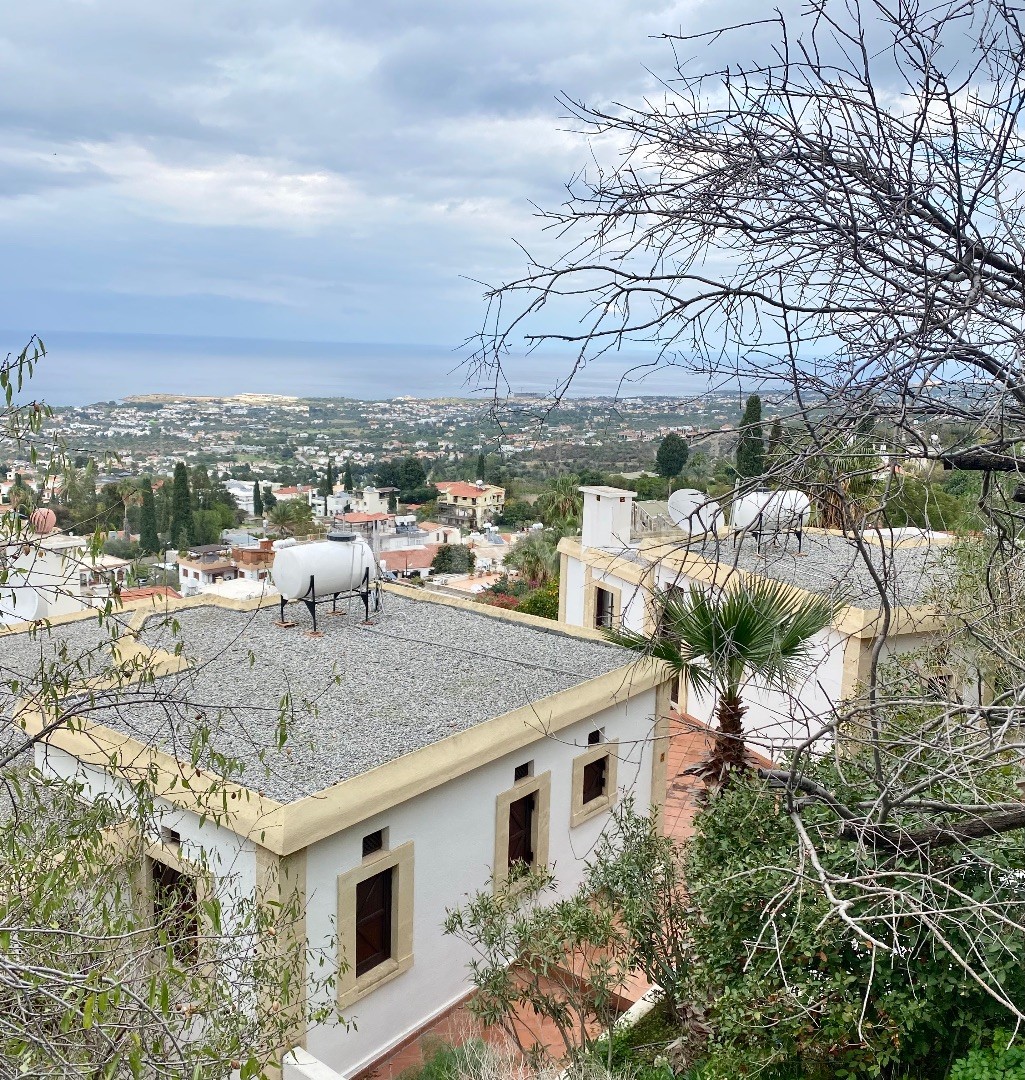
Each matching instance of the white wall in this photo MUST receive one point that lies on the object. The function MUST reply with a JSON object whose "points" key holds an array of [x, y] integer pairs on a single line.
{"points": [[453, 832], [573, 585]]}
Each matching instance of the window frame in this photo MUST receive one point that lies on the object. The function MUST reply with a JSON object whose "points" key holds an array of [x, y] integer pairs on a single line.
{"points": [[540, 787], [581, 811], [351, 987]]}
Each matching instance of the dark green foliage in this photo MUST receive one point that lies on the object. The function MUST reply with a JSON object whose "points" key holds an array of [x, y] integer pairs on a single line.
{"points": [[517, 512], [671, 455], [997, 1061], [543, 601], [270, 500], [427, 494], [122, 549], [482, 465], [257, 500], [326, 486], [149, 541], [751, 448], [347, 481], [914, 502], [181, 508], [635, 1051], [453, 559], [816, 1000]]}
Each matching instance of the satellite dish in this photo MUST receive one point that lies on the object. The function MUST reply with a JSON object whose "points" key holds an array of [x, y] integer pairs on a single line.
{"points": [[694, 512]]}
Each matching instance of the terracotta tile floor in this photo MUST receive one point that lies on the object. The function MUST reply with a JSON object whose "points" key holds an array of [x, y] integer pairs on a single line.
{"points": [[688, 744]]}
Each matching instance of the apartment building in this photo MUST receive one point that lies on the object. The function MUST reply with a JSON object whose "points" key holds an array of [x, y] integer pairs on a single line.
{"points": [[470, 506]]}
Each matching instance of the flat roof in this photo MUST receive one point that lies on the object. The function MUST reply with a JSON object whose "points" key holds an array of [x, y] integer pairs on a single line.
{"points": [[359, 696], [828, 563]]}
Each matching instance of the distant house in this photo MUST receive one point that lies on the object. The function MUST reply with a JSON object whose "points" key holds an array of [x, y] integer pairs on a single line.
{"points": [[505, 742], [470, 506], [205, 564], [53, 575]]}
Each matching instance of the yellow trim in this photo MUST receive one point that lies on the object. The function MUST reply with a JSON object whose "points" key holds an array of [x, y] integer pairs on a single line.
{"points": [[542, 787], [350, 987], [660, 742], [581, 811], [591, 602], [287, 828]]}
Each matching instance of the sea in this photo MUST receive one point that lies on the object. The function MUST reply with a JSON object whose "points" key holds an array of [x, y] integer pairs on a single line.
{"points": [[82, 368]]}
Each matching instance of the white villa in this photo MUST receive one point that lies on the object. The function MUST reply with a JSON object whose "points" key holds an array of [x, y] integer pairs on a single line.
{"points": [[451, 741], [610, 572]]}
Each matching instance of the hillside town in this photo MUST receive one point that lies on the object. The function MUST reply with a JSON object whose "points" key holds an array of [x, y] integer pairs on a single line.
{"points": [[595, 656]]}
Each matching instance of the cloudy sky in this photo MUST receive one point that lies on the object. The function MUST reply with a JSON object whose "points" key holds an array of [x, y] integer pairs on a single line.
{"points": [[294, 169]]}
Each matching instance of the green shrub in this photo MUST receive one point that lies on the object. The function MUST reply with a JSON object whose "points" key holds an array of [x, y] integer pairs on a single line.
{"points": [[443, 1061], [995, 1062], [543, 601]]}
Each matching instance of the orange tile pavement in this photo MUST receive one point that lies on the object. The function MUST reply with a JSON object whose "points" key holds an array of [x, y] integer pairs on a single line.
{"points": [[689, 741]]}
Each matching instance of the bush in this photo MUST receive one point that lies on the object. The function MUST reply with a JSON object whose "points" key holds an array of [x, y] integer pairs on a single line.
{"points": [[122, 549], [995, 1062], [543, 602], [453, 559]]}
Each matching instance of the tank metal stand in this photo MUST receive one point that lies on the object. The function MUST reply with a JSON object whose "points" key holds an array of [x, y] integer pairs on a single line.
{"points": [[311, 600]]}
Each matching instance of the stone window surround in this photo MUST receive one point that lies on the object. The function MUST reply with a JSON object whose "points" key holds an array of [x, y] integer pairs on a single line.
{"points": [[540, 785], [351, 988], [579, 810]]}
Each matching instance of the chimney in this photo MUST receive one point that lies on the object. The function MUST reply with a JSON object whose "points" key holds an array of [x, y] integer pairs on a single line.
{"points": [[607, 517]]}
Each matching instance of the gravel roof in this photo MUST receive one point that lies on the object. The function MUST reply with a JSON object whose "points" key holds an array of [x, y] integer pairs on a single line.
{"points": [[833, 564], [359, 696]]}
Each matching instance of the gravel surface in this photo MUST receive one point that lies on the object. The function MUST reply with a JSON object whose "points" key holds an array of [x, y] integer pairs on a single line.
{"points": [[833, 564], [359, 696]]}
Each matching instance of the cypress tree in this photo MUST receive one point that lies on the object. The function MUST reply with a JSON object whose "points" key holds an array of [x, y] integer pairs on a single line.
{"points": [[257, 500], [672, 455], [482, 465], [751, 448], [149, 541], [347, 479], [181, 508]]}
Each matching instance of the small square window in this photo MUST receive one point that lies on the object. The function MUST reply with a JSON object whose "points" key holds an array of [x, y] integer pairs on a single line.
{"points": [[595, 737], [372, 842], [170, 837], [523, 771]]}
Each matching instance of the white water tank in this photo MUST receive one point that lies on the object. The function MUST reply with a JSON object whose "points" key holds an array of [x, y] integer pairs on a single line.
{"points": [[336, 566], [22, 604], [779, 511], [694, 512]]}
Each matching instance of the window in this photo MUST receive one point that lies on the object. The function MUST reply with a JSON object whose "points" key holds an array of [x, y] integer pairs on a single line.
{"points": [[176, 909], [595, 773], [603, 608], [595, 737], [594, 781], [373, 842], [521, 831], [521, 772], [373, 921], [522, 816]]}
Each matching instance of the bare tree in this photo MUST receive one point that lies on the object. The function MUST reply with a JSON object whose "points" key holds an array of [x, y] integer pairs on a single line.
{"points": [[839, 222]]}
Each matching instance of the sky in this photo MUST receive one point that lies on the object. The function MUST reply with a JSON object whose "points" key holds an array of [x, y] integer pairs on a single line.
{"points": [[292, 169]]}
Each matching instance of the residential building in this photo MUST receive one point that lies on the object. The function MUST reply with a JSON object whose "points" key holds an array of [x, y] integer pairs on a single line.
{"points": [[205, 564], [55, 574], [508, 742], [611, 572], [470, 506]]}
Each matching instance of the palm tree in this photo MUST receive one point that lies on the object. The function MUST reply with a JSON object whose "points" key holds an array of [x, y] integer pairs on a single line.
{"points": [[561, 501], [722, 639], [536, 558]]}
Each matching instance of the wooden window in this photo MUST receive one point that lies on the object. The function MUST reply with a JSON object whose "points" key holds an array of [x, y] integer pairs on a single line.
{"points": [[176, 909], [595, 777], [373, 921], [521, 772], [594, 737], [603, 604], [521, 830]]}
